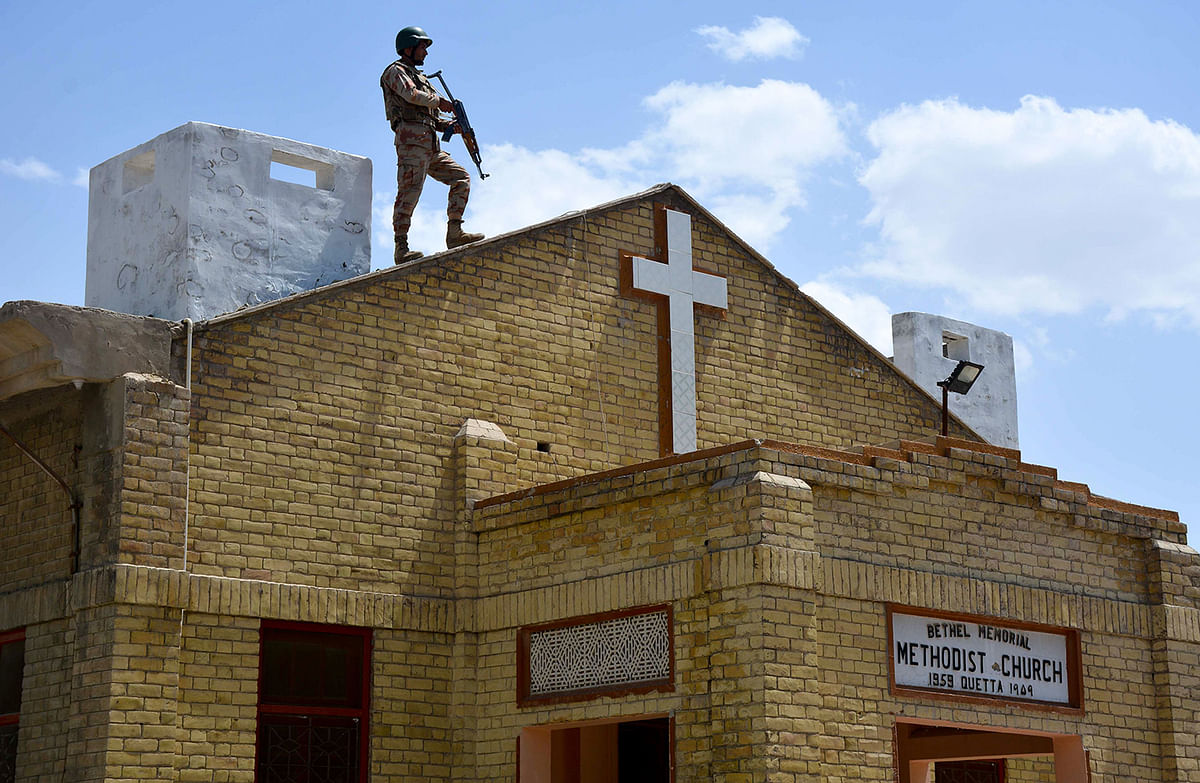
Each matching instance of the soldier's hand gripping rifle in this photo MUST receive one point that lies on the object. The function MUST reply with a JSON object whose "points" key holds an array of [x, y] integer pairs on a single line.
{"points": [[464, 126]]}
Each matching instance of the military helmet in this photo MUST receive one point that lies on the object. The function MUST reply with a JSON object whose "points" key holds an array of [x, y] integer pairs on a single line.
{"points": [[410, 37]]}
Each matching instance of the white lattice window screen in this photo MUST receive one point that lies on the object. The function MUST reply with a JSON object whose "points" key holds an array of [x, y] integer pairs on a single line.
{"points": [[622, 651]]}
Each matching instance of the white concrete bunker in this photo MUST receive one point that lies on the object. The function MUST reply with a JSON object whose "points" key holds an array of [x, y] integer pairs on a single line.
{"points": [[929, 346], [197, 222]]}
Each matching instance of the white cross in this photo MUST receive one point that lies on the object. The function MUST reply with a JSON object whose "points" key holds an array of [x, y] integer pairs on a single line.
{"points": [[684, 287]]}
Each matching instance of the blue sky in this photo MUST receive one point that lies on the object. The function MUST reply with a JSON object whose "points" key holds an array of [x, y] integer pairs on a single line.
{"points": [[1028, 166]]}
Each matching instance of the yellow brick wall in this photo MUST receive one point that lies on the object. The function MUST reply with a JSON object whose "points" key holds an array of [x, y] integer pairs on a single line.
{"points": [[218, 685], [412, 690], [324, 427], [1029, 771], [35, 513], [792, 660], [45, 702], [781, 651], [92, 684], [328, 484], [1119, 726], [1178, 679], [144, 695]]}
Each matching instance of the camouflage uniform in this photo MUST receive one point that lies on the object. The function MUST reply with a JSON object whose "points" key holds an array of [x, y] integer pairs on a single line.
{"points": [[412, 109]]}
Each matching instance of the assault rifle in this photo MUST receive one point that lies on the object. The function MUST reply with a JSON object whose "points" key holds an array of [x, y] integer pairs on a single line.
{"points": [[464, 126]]}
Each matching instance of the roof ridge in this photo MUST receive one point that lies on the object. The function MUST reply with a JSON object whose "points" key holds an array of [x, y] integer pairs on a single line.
{"points": [[425, 260]]}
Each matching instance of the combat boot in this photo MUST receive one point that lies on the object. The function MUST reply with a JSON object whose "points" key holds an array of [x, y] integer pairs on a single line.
{"points": [[456, 237], [403, 254]]}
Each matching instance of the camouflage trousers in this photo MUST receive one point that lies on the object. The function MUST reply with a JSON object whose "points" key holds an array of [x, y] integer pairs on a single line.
{"points": [[419, 155]]}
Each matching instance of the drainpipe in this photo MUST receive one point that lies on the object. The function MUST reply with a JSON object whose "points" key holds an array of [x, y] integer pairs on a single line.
{"points": [[76, 505], [187, 473], [187, 479]]}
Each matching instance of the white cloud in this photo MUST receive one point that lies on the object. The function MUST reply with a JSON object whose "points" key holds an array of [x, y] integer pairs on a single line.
{"points": [[427, 232], [768, 135], [756, 218], [530, 186], [866, 314], [1022, 358], [524, 187], [741, 163], [30, 169], [770, 37], [83, 178], [1041, 209], [747, 152]]}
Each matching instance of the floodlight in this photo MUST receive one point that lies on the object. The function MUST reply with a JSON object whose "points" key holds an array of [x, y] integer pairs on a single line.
{"points": [[960, 382]]}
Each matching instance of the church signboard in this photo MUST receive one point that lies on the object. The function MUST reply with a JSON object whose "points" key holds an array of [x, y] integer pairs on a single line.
{"points": [[973, 657]]}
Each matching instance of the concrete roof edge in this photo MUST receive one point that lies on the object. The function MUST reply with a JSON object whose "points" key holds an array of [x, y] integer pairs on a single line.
{"points": [[43, 345]]}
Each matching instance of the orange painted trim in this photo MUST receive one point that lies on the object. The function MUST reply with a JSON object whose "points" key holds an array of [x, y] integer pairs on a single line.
{"points": [[944, 442], [1074, 662], [1073, 486], [920, 447], [362, 712], [877, 451], [9, 637], [662, 342], [1131, 508], [671, 738], [1039, 470], [664, 685]]}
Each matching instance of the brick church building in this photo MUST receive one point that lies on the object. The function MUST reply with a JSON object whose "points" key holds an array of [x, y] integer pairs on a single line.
{"points": [[604, 499]]}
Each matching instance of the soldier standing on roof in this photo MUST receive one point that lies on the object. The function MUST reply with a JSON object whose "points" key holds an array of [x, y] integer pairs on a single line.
{"points": [[414, 110]]}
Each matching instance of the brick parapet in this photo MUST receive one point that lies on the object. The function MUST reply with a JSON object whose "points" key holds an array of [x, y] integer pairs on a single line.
{"points": [[121, 449], [1120, 607], [977, 476], [871, 469], [1176, 571]]}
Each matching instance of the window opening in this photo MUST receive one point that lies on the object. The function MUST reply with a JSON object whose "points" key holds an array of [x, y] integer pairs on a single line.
{"points": [[955, 346], [12, 667], [313, 694], [299, 170]]}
